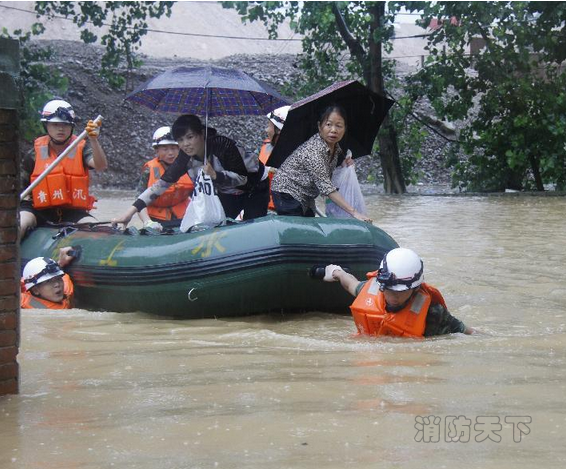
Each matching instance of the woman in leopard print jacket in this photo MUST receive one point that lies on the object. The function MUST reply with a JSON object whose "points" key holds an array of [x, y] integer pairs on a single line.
{"points": [[307, 172]]}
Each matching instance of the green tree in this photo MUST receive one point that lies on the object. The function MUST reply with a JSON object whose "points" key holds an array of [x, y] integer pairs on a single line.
{"points": [[127, 24], [39, 81], [511, 93], [341, 40]]}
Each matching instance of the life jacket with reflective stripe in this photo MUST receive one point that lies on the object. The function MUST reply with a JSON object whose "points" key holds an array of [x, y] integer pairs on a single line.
{"points": [[174, 201], [371, 317], [67, 185], [264, 153], [28, 301]]}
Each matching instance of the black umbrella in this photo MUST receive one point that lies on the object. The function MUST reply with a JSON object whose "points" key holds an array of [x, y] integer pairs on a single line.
{"points": [[364, 108]]}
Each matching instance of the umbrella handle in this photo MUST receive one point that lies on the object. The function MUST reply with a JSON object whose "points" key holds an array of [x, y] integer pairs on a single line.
{"points": [[206, 126]]}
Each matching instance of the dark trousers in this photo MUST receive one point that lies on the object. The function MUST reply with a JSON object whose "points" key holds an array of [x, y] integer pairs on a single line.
{"points": [[253, 203], [287, 205]]}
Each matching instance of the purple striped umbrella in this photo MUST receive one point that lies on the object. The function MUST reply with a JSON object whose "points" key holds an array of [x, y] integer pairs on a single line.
{"points": [[207, 91]]}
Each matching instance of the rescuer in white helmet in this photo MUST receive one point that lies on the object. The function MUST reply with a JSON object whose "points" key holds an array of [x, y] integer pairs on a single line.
{"points": [[62, 196], [169, 208], [275, 122], [45, 285], [395, 300]]}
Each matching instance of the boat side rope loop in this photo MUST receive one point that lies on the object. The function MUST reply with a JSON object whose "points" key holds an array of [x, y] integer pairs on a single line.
{"points": [[190, 293]]}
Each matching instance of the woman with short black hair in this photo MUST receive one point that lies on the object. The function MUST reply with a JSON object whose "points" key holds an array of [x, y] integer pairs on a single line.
{"points": [[239, 177]]}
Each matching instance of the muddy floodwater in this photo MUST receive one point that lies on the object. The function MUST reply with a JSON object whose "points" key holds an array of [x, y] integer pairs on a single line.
{"points": [[103, 389]]}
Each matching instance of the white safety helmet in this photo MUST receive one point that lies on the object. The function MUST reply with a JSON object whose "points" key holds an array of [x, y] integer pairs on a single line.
{"points": [[278, 116], [163, 136], [40, 270], [58, 110], [401, 269]]}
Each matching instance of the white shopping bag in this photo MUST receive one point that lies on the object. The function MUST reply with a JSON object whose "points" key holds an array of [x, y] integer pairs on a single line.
{"points": [[205, 207], [346, 180]]}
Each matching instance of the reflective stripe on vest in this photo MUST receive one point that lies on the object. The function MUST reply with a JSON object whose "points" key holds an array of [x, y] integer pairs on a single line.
{"points": [[44, 152], [371, 317]]}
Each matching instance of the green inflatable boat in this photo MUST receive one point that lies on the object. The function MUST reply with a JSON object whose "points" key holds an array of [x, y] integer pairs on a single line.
{"points": [[239, 269]]}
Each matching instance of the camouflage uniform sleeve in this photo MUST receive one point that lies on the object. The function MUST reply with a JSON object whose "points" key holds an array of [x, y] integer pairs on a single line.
{"points": [[360, 286], [143, 182], [439, 321], [28, 163], [87, 155]]}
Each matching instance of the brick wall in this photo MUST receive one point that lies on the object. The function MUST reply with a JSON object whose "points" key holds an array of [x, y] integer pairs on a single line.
{"points": [[9, 202]]}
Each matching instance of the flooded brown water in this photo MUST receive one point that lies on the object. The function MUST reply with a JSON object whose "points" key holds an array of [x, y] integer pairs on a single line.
{"points": [[102, 390]]}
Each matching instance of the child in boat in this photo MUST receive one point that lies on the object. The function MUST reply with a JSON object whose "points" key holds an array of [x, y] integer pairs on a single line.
{"points": [[169, 207], [275, 121], [395, 301], [45, 285], [63, 196]]}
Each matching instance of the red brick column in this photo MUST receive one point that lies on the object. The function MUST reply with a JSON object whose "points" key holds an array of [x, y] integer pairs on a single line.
{"points": [[9, 203]]}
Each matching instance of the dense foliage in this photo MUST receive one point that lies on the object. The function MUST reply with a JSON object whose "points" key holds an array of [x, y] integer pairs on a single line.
{"points": [[127, 25], [511, 94], [39, 81], [126, 22]]}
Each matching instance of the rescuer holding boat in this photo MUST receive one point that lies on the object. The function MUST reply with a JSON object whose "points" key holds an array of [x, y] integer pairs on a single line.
{"points": [[44, 283], [395, 301]]}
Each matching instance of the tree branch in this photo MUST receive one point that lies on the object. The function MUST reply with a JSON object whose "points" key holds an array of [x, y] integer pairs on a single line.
{"points": [[353, 44]]}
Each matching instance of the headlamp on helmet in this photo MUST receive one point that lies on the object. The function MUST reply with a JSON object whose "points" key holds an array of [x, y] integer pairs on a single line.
{"points": [[163, 136], [401, 269], [58, 110], [40, 270]]}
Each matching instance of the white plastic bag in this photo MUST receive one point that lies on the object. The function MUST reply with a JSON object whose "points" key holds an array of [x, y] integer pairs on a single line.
{"points": [[346, 180], [205, 207]]}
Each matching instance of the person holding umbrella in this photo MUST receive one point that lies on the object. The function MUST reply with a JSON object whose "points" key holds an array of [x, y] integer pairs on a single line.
{"points": [[63, 195], [307, 172], [240, 179]]}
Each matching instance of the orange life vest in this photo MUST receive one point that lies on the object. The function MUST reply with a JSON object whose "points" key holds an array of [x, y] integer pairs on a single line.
{"points": [[371, 317], [174, 201], [27, 300], [67, 185], [264, 153]]}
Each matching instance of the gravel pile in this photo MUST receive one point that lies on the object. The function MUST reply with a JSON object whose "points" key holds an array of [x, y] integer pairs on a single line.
{"points": [[128, 127]]}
